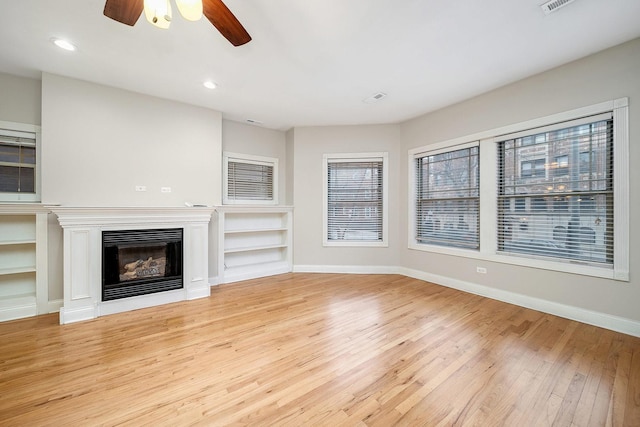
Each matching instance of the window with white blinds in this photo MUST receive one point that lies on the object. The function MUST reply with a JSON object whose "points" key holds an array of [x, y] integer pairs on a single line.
{"points": [[18, 165], [564, 208], [448, 198], [250, 179], [355, 196], [549, 193]]}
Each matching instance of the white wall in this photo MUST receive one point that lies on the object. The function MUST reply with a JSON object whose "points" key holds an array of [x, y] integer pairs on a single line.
{"points": [[309, 145], [20, 99], [290, 152], [243, 138], [99, 143], [605, 76]]}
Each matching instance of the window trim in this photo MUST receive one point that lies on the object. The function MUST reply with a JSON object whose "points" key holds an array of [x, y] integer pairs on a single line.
{"points": [[36, 131], [354, 157], [488, 189], [251, 159]]}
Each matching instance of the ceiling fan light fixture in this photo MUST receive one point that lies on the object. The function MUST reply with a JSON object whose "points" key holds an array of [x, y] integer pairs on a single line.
{"points": [[158, 13], [191, 10]]}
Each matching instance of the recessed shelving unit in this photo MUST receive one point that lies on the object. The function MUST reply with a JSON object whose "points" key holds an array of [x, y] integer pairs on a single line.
{"points": [[23, 260], [254, 241]]}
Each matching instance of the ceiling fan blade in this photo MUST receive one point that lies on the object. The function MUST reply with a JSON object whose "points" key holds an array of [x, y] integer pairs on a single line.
{"points": [[225, 21], [125, 11]]}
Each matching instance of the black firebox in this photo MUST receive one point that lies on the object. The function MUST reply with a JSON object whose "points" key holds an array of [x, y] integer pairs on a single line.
{"points": [[139, 262]]}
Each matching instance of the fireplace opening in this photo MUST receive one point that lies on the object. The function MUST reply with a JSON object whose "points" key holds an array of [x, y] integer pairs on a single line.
{"points": [[140, 262]]}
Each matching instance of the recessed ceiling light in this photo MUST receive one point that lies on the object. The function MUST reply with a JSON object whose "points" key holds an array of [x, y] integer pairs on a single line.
{"points": [[63, 44], [210, 85]]}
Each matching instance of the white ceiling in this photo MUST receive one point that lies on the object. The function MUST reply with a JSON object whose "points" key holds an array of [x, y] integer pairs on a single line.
{"points": [[313, 62]]}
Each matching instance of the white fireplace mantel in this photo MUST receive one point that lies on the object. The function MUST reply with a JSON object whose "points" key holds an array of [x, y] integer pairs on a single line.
{"points": [[83, 228]]}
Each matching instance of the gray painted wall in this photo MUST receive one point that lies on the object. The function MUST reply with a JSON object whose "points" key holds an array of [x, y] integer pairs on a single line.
{"points": [[605, 76], [309, 146]]}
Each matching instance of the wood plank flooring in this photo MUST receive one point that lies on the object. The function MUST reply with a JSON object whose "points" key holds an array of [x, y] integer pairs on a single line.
{"points": [[320, 350]]}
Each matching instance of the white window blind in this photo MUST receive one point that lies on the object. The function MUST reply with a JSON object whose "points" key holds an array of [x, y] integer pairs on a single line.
{"points": [[564, 211], [249, 179], [355, 199], [17, 162], [448, 202]]}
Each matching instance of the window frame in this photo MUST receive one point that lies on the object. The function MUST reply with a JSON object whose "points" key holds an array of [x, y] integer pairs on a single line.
{"points": [[489, 194], [248, 159], [35, 197], [355, 157]]}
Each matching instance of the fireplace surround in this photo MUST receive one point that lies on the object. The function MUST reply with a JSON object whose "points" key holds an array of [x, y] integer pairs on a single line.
{"points": [[83, 259]]}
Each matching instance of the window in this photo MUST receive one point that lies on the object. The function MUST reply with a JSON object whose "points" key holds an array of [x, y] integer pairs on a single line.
{"points": [[553, 193], [561, 165], [355, 193], [250, 179], [19, 180], [580, 191], [532, 168], [448, 199]]}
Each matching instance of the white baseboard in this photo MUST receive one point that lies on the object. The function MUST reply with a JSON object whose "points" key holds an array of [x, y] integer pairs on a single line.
{"points": [[347, 269], [54, 306], [603, 320]]}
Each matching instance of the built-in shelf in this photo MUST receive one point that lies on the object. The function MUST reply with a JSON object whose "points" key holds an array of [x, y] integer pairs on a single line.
{"points": [[16, 242], [23, 260], [254, 248], [256, 230], [5, 271], [254, 241]]}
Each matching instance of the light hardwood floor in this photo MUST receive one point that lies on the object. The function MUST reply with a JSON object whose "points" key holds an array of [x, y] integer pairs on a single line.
{"points": [[321, 350]]}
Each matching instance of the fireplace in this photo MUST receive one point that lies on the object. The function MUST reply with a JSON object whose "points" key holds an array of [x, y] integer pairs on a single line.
{"points": [[140, 262], [156, 232]]}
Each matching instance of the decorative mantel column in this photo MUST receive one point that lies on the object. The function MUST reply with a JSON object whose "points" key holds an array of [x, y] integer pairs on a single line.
{"points": [[83, 228]]}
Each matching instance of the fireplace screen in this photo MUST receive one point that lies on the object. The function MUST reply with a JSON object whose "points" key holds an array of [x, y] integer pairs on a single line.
{"points": [[137, 262]]}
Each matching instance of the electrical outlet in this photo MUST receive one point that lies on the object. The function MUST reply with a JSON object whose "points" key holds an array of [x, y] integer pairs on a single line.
{"points": [[141, 188], [165, 189], [481, 270]]}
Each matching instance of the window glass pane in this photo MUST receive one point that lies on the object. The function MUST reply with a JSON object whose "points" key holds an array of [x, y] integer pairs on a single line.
{"points": [[448, 199], [9, 178], [17, 165], [561, 204], [354, 200]]}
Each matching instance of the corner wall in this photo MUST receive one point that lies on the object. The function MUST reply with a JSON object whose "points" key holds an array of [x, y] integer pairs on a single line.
{"points": [[309, 144], [604, 76]]}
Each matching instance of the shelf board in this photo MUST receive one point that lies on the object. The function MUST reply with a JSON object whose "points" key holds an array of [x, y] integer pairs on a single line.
{"points": [[17, 270], [255, 230], [16, 297], [254, 248], [257, 267], [17, 242]]}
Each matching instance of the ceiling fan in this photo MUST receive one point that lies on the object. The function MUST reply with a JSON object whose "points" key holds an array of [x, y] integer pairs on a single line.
{"points": [[158, 13]]}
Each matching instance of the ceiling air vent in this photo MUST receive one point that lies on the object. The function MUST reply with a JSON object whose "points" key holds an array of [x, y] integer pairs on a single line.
{"points": [[553, 5], [374, 98]]}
